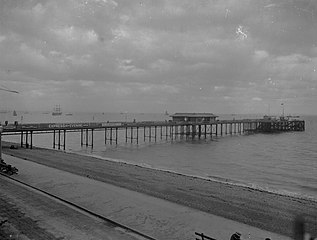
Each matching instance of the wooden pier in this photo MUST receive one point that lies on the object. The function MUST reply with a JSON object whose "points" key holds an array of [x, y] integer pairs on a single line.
{"points": [[134, 132]]}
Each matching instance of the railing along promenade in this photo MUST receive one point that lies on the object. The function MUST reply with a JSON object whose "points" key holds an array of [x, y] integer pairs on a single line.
{"points": [[149, 130]]}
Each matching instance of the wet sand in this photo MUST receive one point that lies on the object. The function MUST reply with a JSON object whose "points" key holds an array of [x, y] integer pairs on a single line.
{"points": [[265, 210]]}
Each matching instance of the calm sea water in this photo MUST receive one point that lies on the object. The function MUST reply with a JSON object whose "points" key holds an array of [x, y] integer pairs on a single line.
{"points": [[280, 162]]}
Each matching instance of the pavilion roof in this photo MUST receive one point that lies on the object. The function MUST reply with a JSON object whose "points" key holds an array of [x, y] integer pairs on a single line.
{"points": [[193, 115]]}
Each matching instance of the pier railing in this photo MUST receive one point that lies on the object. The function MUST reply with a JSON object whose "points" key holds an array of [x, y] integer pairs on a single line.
{"points": [[147, 130]]}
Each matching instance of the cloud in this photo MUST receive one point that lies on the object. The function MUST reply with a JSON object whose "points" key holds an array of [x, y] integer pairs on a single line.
{"points": [[219, 88], [270, 5], [74, 34], [158, 89], [195, 54], [161, 65], [257, 99], [86, 83], [33, 55], [227, 97], [2, 38], [126, 66], [260, 55]]}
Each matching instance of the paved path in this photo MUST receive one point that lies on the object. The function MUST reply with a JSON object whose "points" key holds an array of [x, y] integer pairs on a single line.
{"points": [[155, 217], [26, 214]]}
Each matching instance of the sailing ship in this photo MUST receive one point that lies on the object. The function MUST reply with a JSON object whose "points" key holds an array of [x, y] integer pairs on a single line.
{"points": [[57, 111], [15, 113]]}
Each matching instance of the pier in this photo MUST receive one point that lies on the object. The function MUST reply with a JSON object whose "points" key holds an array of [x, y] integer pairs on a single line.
{"points": [[150, 131]]}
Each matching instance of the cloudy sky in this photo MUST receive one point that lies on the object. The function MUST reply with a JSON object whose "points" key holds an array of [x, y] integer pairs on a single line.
{"points": [[226, 56]]}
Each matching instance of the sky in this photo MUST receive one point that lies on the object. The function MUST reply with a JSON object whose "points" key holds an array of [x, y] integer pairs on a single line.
{"points": [[219, 56]]}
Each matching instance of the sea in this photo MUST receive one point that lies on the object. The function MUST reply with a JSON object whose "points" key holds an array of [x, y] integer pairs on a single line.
{"points": [[283, 163]]}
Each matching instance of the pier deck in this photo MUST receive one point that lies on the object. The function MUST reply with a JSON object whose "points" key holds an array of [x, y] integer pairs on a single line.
{"points": [[149, 130]]}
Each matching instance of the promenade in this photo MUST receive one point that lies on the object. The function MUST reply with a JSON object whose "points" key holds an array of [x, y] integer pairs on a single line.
{"points": [[28, 215]]}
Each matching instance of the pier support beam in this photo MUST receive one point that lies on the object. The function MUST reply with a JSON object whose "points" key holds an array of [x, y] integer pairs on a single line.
{"points": [[26, 139], [64, 145], [161, 132], [155, 133], [58, 143], [54, 136], [81, 136], [31, 143], [59, 139], [92, 138], [116, 135], [86, 138], [110, 135], [21, 138]]}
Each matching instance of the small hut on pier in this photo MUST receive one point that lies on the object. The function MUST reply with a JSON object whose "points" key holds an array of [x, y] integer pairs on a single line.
{"points": [[194, 117]]}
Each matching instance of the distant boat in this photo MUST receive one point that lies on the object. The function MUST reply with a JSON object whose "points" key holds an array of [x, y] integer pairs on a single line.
{"points": [[69, 114], [293, 116], [57, 111], [15, 113], [166, 113]]}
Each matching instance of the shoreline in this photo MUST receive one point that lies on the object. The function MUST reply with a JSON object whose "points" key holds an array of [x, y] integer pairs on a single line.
{"points": [[251, 186], [215, 179], [270, 211]]}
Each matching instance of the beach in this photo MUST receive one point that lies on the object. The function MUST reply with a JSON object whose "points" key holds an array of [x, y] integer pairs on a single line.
{"points": [[265, 210]]}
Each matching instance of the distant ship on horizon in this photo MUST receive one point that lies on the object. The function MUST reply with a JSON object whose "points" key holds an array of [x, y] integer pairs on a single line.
{"points": [[57, 111]]}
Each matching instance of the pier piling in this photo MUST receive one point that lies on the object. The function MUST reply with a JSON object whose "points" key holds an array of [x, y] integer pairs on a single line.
{"points": [[150, 130]]}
